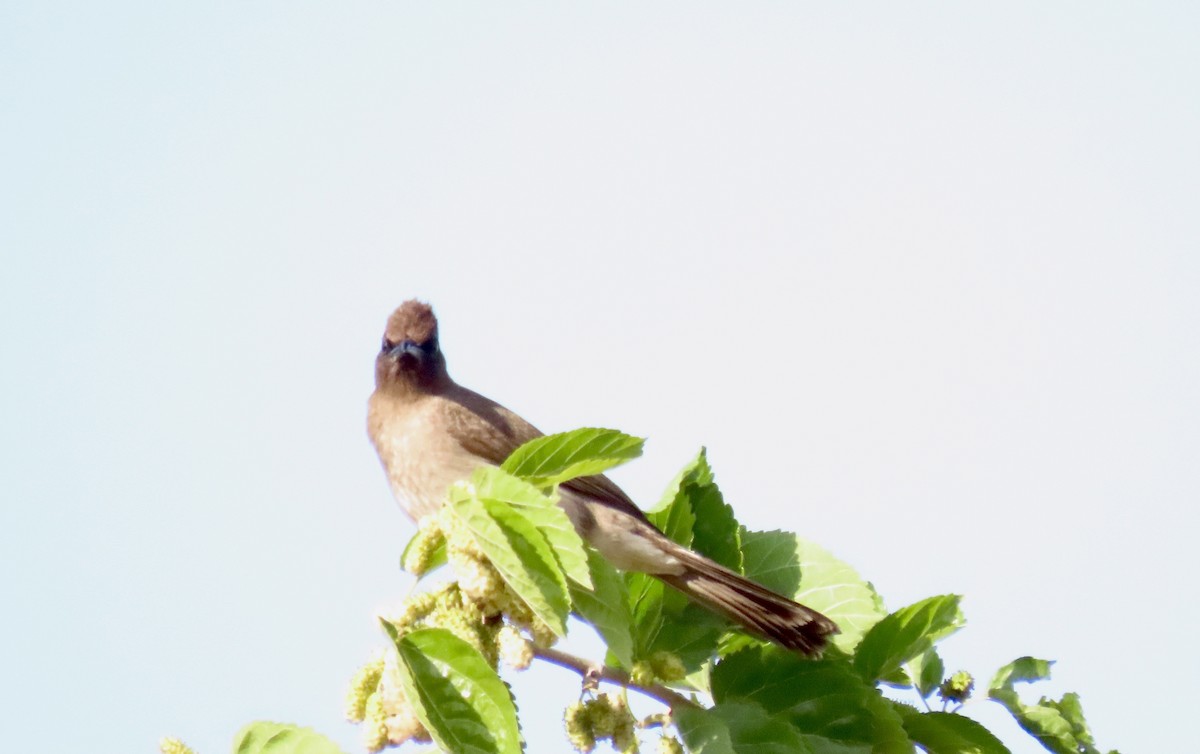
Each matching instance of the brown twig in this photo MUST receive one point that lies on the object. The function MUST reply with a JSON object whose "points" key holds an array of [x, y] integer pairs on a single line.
{"points": [[672, 699]]}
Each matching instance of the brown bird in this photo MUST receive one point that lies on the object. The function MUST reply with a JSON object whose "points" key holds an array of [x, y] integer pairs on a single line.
{"points": [[430, 432]]}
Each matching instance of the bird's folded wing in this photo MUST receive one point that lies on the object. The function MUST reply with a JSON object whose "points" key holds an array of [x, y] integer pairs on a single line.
{"points": [[488, 430]]}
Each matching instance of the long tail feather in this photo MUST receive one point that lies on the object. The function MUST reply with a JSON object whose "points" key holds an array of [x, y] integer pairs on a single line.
{"points": [[753, 606]]}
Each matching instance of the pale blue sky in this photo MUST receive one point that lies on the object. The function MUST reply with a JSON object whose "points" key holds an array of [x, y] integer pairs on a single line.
{"points": [[923, 278]]}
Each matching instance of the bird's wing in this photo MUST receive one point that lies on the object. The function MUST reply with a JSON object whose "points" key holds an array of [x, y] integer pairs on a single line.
{"points": [[488, 430]]}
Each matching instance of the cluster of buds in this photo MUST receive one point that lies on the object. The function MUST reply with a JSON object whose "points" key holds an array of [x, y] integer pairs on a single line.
{"points": [[479, 608], [481, 585], [377, 701], [957, 688], [605, 717]]}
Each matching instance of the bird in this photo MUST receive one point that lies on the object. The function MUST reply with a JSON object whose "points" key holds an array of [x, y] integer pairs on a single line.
{"points": [[430, 432]]}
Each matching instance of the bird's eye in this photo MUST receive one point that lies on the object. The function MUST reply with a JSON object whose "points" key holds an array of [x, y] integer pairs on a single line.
{"points": [[387, 344]]}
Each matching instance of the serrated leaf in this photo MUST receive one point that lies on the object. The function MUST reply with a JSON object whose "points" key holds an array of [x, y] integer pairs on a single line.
{"points": [[281, 738], [552, 459], [740, 728], [675, 519], [455, 693], [905, 634], [696, 470], [1059, 726], [823, 698], [519, 552], [715, 531], [492, 483], [606, 607], [810, 575], [926, 671], [948, 733]]}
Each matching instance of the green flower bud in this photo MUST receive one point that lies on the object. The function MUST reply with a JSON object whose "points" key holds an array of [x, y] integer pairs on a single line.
{"points": [[958, 687], [669, 745], [642, 673], [667, 666]]}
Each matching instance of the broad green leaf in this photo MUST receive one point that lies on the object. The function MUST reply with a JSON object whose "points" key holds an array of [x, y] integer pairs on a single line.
{"points": [[810, 575], [741, 728], [692, 635], [492, 483], [1059, 726], [702, 731], [905, 634], [455, 693], [948, 733], [925, 672], [823, 698], [606, 607], [552, 459], [281, 738], [519, 552]]}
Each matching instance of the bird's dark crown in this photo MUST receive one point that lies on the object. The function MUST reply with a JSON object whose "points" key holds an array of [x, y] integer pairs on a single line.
{"points": [[409, 357], [413, 321]]}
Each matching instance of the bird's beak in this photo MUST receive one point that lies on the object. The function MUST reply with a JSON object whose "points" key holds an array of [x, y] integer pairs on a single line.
{"points": [[406, 349]]}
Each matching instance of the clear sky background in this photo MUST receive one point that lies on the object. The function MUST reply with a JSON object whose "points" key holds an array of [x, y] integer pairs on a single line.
{"points": [[923, 277]]}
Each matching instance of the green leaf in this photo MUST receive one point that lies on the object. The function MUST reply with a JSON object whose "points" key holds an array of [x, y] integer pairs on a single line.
{"points": [[492, 483], [824, 698], [810, 575], [1059, 726], [702, 731], [552, 459], [606, 607], [692, 635], [646, 606], [948, 733], [455, 693], [519, 552], [715, 532], [1021, 669], [738, 727], [926, 672], [696, 470], [906, 633], [281, 738]]}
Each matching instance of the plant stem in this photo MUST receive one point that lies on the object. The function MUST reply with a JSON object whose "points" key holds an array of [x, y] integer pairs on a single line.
{"points": [[602, 672]]}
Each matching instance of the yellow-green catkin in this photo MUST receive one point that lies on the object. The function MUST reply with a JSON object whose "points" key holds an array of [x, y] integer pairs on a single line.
{"points": [[170, 745], [364, 683]]}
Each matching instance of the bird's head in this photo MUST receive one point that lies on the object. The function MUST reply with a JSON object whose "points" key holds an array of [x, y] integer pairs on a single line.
{"points": [[409, 357]]}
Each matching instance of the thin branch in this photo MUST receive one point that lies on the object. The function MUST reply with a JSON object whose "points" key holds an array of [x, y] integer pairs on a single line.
{"points": [[602, 672]]}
